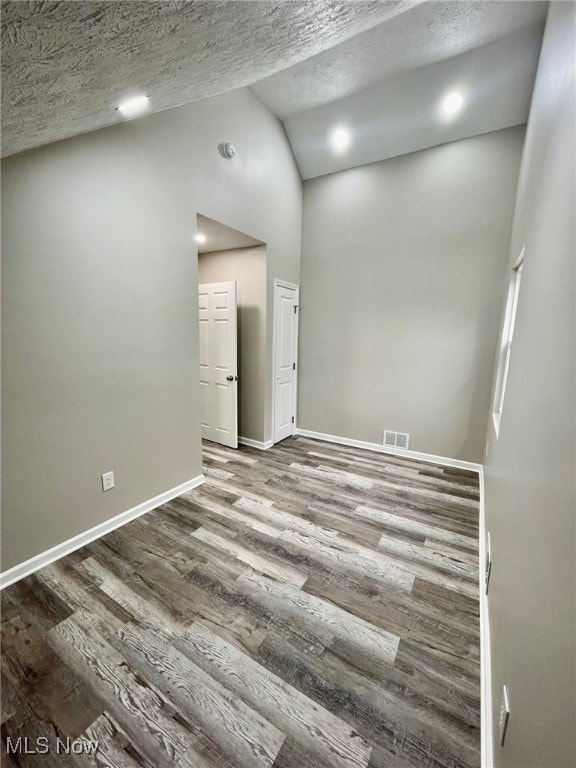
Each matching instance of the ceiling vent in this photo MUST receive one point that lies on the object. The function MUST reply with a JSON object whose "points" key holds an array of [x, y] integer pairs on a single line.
{"points": [[396, 439]]}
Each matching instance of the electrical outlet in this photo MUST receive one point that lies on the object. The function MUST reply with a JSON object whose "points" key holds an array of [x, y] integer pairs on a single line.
{"points": [[487, 562], [504, 714], [107, 481]]}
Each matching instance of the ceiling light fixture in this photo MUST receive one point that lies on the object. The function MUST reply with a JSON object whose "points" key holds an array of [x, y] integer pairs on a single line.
{"points": [[340, 139], [134, 106], [453, 103], [200, 238]]}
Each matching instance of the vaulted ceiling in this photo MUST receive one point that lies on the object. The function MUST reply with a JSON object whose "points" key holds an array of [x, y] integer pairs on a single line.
{"points": [[385, 86], [378, 68], [66, 65]]}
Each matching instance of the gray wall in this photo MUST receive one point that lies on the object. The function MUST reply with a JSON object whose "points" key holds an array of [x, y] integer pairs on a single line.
{"points": [[247, 266], [402, 270], [530, 471], [100, 321]]}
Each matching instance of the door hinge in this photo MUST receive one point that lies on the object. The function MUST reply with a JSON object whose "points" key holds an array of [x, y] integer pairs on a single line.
{"points": [[295, 308], [292, 419], [293, 366]]}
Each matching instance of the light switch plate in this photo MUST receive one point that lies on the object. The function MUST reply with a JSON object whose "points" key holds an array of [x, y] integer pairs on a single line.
{"points": [[107, 481], [504, 714]]}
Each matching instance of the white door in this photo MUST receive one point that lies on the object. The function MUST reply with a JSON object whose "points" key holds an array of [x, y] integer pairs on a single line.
{"points": [[218, 362], [285, 352]]}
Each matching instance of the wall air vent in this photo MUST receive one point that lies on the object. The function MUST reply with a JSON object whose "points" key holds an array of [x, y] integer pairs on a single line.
{"points": [[396, 439]]}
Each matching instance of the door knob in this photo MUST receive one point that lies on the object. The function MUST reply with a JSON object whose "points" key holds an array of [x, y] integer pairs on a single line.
{"points": [[231, 378]]}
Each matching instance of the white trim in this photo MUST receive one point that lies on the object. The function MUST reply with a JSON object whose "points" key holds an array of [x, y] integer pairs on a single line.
{"points": [[255, 443], [443, 460], [486, 735], [506, 342], [284, 284], [71, 545], [496, 422], [520, 260]]}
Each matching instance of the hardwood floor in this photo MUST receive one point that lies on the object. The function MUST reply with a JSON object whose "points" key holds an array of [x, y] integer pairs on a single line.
{"points": [[310, 606]]}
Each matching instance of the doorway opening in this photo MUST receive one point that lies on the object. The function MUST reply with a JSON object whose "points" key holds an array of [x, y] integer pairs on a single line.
{"points": [[232, 334]]}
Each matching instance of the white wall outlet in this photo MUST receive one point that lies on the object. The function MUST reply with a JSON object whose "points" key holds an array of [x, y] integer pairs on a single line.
{"points": [[487, 562], [107, 481], [504, 714]]}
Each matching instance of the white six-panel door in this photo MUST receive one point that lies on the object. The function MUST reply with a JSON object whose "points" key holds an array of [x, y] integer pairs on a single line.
{"points": [[218, 362], [285, 350]]}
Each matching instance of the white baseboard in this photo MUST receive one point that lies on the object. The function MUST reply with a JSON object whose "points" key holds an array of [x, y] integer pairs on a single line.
{"points": [[486, 735], [255, 443], [443, 460], [71, 545]]}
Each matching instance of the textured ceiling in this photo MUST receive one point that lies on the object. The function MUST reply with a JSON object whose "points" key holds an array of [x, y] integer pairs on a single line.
{"points": [[219, 237], [66, 65], [423, 35], [403, 114]]}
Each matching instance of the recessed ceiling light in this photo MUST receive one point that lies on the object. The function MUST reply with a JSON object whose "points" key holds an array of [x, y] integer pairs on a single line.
{"points": [[340, 139], [134, 106], [200, 238], [453, 103]]}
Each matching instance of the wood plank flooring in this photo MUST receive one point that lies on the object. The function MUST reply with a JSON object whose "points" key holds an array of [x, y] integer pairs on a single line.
{"points": [[310, 606]]}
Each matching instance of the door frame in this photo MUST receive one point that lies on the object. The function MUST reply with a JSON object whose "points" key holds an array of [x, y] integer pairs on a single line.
{"points": [[291, 286]]}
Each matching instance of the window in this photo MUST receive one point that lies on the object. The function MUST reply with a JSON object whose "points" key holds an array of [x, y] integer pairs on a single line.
{"points": [[506, 344]]}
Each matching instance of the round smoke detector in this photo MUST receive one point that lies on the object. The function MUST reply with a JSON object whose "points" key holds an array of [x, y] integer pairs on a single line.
{"points": [[227, 150]]}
